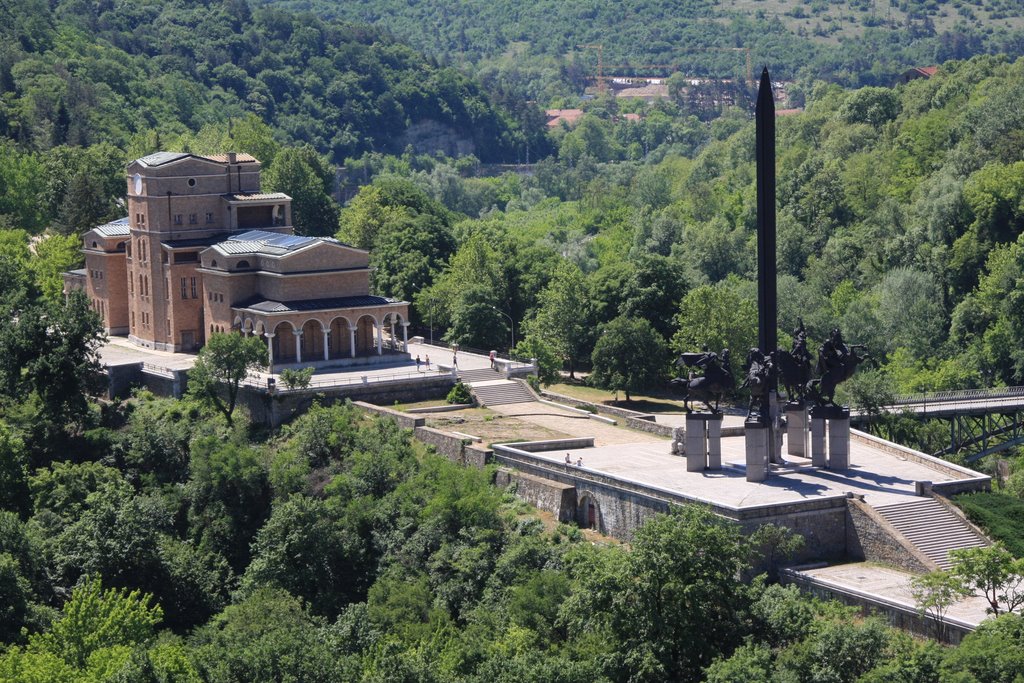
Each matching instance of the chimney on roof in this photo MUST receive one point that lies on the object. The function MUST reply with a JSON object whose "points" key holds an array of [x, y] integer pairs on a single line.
{"points": [[232, 158]]}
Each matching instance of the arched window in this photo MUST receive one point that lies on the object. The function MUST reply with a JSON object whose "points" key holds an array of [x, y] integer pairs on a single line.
{"points": [[94, 245], [213, 263], [243, 264]]}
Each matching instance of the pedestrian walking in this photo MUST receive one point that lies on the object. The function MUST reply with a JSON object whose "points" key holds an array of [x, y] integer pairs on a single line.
{"points": [[427, 358], [417, 363]]}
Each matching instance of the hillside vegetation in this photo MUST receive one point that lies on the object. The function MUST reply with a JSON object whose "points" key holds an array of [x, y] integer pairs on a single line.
{"points": [[539, 47], [140, 75]]}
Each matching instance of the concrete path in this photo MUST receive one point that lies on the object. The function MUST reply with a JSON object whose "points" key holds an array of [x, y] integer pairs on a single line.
{"points": [[575, 424]]}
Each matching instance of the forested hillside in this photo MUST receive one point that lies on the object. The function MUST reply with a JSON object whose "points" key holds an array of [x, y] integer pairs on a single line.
{"points": [[538, 47], [140, 75]]}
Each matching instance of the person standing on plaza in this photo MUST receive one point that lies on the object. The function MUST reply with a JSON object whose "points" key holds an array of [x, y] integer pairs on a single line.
{"points": [[417, 363]]}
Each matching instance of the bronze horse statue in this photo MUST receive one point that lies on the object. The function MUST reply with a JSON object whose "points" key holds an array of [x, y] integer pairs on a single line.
{"points": [[716, 382], [760, 372], [823, 390], [794, 373]]}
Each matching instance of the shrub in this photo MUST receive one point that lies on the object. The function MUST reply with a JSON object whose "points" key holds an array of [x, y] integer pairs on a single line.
{"points": [[459, 394]]}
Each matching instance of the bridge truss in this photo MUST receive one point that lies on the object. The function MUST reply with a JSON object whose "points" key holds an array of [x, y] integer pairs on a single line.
{"points": [[980, 422]]}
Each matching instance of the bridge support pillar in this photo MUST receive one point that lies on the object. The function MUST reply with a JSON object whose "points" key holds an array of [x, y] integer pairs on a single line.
{"points": [[703, 442], [796, 430], [756, 435]]}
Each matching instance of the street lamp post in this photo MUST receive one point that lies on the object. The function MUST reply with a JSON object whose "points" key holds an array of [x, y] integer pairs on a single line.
{"points": [[512, 327]]}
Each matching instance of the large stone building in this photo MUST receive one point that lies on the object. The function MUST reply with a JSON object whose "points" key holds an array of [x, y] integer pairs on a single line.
{"points": [[203, 250]]}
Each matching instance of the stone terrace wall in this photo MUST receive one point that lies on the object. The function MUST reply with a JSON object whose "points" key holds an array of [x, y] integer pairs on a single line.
{"points": [[870, 537], [543, 494], [274, 410], [899, 616]]}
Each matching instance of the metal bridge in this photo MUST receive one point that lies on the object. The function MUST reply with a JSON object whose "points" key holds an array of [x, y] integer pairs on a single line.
{"points": [[981, 421]]}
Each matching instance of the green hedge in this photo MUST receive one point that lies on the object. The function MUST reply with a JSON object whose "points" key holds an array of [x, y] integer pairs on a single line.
{"points": [[999, 514]]}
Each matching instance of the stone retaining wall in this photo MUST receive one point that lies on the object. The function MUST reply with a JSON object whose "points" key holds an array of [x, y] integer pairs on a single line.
{"points": [[559, 499], [870, 537], [448, 445], [404, 420], [276, 409], [904, 617]]}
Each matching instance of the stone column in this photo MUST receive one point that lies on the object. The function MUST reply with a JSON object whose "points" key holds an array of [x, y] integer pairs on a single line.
{"points": [[756, 435], [714, 442], [352, 341], [696, 442], [270, 350], [405, 337], [380, 339], [796, 430], [327, 344], [839, 443], [298, 345], [817, 441]]}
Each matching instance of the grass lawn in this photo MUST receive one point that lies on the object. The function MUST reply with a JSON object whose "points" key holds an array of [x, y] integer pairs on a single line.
{"points": [[1000, 514], [641, 402]]}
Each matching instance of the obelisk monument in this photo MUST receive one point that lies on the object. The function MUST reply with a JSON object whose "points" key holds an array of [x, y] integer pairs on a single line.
{"points": [[762, 440]]}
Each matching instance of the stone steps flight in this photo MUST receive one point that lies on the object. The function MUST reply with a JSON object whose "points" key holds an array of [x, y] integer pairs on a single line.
{"points": [[501, 393], [931, 528]]}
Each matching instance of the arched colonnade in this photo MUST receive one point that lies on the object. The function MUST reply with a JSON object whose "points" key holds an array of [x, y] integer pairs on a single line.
{"points": [[311, 339]]}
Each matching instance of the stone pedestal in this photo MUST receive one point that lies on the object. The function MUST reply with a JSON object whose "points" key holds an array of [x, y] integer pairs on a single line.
{"points": [[703, 442], [836, 421], [839, 443], [757, 436], [818, 441], [715, 442], [796, 430]]}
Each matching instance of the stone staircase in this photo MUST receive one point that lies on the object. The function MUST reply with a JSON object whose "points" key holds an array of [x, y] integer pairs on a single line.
{"points": [[931, 528], [500, 392], [479, 375]]}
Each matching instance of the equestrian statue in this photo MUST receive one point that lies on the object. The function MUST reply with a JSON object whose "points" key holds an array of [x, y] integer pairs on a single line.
{"points": [[716, 382]]}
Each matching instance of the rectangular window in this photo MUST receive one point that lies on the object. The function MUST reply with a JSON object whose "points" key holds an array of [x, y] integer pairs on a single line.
{"points": [[177, 219], [194, 295], [192, 219], [209, 217], [133, 320], [184, 288], [131, 284], [167, 288], [168, 327], [186, 257]]}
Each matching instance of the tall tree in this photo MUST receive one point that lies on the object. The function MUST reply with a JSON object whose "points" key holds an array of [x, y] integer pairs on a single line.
{"points": [[221, 366], [308, 180], [629, 355], [565, 319]]}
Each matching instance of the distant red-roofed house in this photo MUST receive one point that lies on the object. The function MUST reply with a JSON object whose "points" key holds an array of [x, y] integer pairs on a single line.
{"points": [[570, 116], [917, 72], [788, 112]]}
